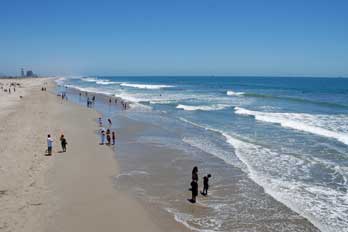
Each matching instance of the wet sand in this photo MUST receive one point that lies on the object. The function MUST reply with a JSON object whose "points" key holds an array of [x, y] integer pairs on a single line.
{"points": [[160, 176], [156, 171]]}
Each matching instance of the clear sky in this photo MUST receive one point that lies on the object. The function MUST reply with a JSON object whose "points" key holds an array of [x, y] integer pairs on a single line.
{"points": [[175, 37]]}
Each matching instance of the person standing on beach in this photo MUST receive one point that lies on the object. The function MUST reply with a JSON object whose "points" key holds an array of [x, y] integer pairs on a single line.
{"points": [[63, 142], [113, 138], [108, 139], [109, 121], [49, 144], [88, 102], [195, 173], [110, 101], [100, 121], [102, 136], [194, 190], [205, 185]]}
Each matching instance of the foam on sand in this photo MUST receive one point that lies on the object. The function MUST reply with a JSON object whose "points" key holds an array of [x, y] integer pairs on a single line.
{"points": [[202, 107], [143, 86], [331, 126]]}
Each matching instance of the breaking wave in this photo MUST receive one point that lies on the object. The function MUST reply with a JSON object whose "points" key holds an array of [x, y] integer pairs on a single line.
{"points": [[202, 107], [143, 86], [331, 126]]}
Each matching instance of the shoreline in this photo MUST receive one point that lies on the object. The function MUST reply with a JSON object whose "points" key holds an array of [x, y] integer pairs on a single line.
{"points": [[76, 190], [131, 137], [59, 192]]}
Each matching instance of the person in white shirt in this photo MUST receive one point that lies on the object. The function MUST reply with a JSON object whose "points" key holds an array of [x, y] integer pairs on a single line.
{"points": [[49, 144]]}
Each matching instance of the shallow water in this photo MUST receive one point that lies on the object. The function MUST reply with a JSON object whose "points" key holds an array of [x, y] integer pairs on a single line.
{"points": [[288, 136]]}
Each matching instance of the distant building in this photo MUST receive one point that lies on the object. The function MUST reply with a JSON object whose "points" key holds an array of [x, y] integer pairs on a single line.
{"points": [[22, 72], [30, 73]]}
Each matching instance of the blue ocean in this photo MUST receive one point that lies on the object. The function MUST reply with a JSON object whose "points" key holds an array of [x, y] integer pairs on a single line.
{"points": [[289, 135]]}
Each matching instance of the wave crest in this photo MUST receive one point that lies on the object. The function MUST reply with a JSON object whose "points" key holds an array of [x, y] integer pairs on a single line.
{"points": [[143, 86], [202, 107], [232, 93], [315, 124]]}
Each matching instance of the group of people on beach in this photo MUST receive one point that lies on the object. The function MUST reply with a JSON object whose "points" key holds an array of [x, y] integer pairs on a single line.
{"points": [[107, 135], [124, 104], [63, 143], [194, 185], [11, 85]]}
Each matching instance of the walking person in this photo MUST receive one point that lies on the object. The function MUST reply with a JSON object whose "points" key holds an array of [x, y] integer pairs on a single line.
{"points": [[113, 138], [63, 143], [49, 144]]}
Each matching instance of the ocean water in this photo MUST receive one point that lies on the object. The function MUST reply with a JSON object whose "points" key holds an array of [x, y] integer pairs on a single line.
{"points": [[287, 135]]}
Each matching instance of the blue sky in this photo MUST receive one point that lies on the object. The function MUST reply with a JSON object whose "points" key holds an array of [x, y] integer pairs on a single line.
{"points": [[175, 37]]}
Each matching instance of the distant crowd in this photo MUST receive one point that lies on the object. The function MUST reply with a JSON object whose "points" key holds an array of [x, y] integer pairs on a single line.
{"points": [[108, 137]]}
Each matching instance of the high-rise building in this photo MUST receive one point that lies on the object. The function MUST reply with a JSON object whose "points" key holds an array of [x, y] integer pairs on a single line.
{"points": [[22, 72], [30, 73]]}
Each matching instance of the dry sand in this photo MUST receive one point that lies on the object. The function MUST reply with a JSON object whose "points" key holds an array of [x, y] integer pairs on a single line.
{"points": [[69, 191]]}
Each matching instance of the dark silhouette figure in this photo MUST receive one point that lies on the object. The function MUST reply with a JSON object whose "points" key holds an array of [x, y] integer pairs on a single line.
{"points": [[113, 137], [195, 173], [194, 190], [63, 142], [205, 185]]}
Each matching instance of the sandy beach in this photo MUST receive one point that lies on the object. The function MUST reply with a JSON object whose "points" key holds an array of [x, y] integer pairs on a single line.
{"points": [[70, 191]]}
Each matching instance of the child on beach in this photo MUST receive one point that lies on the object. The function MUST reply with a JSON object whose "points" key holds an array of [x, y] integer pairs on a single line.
{"points": [[49, 144], [205, 185], [113, 138], [63, 142]]}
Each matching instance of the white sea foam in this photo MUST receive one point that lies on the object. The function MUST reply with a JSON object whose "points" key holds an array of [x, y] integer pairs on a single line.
{"points": [[89, 79], [106, 82], [60, 80], [89, 89], [133, 173], [332, 126], [144, 86], [202, 107], [232, 93], [187, 220], [325, 207]]}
